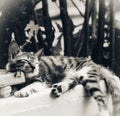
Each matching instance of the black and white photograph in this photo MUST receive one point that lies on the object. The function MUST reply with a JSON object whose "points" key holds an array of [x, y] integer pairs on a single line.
{"points": [[59, 58]]}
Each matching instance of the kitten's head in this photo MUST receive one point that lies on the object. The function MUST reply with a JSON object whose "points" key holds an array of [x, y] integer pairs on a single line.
{"points": [[23, 61], [26, 62]]}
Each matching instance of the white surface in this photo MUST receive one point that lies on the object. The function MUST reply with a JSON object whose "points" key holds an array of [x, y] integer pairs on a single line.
{"points": [[72, 103]]}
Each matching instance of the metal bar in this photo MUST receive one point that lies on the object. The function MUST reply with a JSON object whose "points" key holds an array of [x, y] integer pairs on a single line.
{"points": [[112, 36], [86, 45], [48, 27], [67, 28], [101, 22]]}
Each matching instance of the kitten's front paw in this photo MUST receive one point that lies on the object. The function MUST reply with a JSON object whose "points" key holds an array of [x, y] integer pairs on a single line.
{"points": [[56, 90], [18, 74], [22, 93]]}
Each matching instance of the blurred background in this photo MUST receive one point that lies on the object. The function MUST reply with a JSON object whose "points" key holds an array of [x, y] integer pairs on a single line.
{"points": [[79, 28]]}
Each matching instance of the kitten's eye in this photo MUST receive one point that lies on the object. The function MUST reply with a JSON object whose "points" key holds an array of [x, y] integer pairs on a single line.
{"points": [[20, 63]]}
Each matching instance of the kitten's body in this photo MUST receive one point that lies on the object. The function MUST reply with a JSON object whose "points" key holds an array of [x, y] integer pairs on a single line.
{"points": [[62, 74]]}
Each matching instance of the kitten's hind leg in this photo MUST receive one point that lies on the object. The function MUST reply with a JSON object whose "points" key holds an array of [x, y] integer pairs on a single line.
{"points": [[89, 77]]}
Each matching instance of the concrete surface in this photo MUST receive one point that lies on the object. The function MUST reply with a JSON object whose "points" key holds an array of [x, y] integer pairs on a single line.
{"points": [[72, 103]]}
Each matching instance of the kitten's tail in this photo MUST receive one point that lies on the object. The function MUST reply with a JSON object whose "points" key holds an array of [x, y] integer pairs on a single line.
{"points": [[112, 82], [113, 89]]}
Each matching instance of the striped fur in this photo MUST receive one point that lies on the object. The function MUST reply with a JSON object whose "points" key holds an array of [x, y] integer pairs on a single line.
{"points": [[63, 73]]}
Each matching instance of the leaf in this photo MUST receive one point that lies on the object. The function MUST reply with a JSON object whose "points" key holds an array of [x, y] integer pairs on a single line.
{"points": [[59, 27], [31, 29]]}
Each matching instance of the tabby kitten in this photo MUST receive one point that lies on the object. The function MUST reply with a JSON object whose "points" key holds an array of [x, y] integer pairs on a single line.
{"points": [[62, 73]]}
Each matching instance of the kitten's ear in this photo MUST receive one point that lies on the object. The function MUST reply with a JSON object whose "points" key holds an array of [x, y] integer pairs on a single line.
{"points": [[13, 49], [40, 53]]}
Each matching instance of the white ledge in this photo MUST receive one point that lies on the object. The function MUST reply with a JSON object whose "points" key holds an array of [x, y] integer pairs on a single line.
{"points": [[72, 103]]}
